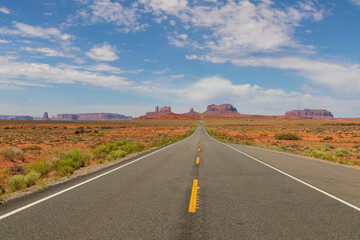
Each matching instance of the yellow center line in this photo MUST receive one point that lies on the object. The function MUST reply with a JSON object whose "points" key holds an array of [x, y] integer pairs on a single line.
{"points": [[193, 198], [197, 160], [198, 149]]}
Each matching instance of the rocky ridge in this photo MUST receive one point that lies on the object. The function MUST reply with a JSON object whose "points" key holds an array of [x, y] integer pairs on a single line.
{"points": [[90, 116], [310, 113], [223, 109]]}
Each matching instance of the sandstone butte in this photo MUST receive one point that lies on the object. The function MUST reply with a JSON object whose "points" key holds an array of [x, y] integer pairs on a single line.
{"points": [[223, 109], [90, 116], [310, 113], [163, 110], [192, 111], [45, 116]]}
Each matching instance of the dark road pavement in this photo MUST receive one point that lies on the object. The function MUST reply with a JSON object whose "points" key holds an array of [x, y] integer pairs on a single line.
{"points": [[236, 198]]}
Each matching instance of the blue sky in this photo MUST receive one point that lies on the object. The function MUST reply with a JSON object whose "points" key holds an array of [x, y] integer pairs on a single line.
{"points": [[262, 56]]}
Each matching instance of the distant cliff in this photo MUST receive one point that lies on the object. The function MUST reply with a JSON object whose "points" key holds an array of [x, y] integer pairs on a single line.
{"points": [[12, 117], [157, 111], [310, 113], [223, 109], [90, 116]]}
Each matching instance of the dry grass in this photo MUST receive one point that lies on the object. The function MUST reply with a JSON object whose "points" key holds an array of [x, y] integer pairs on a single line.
{"points": [[332, 140]]}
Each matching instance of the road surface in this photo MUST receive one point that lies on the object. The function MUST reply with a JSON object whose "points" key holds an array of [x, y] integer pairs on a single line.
{"points": [[198, 188]]}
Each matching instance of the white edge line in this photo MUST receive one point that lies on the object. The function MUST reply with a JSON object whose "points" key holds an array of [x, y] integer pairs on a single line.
{"points": [[89, 180], [290, 176]]}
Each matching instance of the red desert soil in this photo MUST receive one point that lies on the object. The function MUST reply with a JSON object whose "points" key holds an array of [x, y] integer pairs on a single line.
{"points": [[39, 139]]}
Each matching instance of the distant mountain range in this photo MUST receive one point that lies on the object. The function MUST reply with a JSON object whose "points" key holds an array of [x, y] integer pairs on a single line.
{"points": [[223, 109]]}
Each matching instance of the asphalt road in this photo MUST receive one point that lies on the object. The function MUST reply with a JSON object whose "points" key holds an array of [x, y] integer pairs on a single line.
{"points": [[237, 197]]}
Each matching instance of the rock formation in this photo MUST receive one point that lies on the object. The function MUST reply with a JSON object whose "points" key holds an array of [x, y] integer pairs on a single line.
{"points": [[45, 116], [223, 109], [165, 110], [13, 117], [310, 113], [90, 116], [157, 111], [192, 111]]}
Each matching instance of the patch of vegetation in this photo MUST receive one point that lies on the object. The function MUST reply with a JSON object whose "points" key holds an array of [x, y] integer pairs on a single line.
{"points": [[31, 148], [71, 161], [42, 167], [287, 136], [326, 138], [341, 153], [12, 154]]}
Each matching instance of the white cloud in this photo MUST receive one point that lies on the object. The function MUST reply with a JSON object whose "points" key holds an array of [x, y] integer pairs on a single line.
{"points": [[238, 28], [103, 52], [39, 73], [159, 72], [4, 41], [166, 6], [10, 87], [46, 51], [177, 76], [338, 76], [260, 100], [341, 77], [4, 10], [26, 30], [107, 11], [48, 13], [356, 2]]}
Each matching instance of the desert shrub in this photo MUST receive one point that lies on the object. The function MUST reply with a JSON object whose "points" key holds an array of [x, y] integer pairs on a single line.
{"points": [[330, 146], [31, 178], [316, 154], [31, 148], [328, 138], [116, 150], [77, 157], [115, 155], [342, 153], [17, 182], [356, 146], [246, 142], [6, 172], [42, 167], [65, 167], [12, 154], [71, 161], [322, 148], [287, 136]]}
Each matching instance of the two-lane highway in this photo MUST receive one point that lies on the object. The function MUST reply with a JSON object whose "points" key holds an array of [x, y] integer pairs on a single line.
{"points": [[195, 189]]}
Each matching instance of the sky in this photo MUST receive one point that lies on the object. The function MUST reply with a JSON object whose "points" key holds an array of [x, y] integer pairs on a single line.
{"points": [[261, 56]]}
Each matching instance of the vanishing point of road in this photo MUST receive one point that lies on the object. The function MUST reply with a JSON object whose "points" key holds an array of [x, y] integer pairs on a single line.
{"points": [[198, 188]]}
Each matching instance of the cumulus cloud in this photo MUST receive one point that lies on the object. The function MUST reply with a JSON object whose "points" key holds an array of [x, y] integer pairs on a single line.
{"points": [[4, 10], [338, 76], [238, 28], [103, 52], [26, 30], [45, 51], [166, 6], [36, 72], [107, 11], [254, 99]]}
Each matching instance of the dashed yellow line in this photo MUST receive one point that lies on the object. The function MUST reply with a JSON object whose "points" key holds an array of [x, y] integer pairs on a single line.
{"points": [[193, 198], [197, 160], [198, 149]]}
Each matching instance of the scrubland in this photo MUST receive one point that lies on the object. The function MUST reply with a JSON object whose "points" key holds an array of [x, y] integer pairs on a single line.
{"points": [[331, 140], [33, 152]]}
